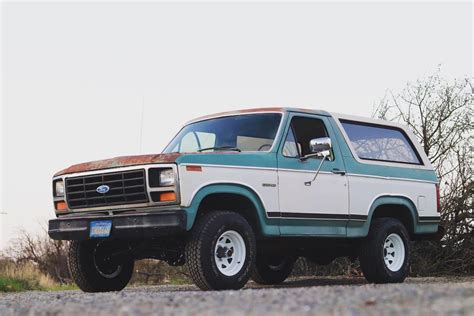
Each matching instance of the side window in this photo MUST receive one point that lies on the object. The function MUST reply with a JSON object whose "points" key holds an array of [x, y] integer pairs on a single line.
{"points": [[383, 143], [302, 131], [290, 148]]}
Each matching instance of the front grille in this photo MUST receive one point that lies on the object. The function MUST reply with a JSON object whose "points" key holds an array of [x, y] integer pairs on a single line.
{"points": [[127, 187]]}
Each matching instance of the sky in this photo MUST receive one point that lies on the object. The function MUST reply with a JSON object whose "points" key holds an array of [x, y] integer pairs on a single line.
{"points": [[83, 81]]}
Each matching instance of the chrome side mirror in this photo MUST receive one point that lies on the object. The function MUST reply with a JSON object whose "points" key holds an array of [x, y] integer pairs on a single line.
{"points": [[320, 145]]}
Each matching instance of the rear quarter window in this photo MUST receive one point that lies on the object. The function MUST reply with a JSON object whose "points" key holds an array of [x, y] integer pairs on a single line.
{"points": [[381, 143]]}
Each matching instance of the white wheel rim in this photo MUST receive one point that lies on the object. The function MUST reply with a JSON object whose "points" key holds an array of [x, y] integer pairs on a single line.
{"points": [[394, 252], [229, 253]]}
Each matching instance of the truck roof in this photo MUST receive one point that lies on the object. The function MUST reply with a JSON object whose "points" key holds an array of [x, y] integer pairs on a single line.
{"points": [[299, 110], [261, 110]]}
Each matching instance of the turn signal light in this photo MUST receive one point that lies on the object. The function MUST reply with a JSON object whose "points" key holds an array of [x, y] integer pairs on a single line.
{"points": [[194, 168], [168, 197], [60, 206]]}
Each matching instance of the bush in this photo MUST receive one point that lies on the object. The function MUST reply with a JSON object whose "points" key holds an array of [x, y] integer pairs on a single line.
{"points": [[48, 256], [151, 271], [23, 277]]}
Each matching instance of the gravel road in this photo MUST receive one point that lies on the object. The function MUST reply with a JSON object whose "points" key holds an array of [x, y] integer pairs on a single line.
{"points": [[322, 296]]}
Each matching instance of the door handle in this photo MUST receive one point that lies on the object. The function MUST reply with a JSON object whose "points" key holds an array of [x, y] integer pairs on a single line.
{"points": [[338, 171]]}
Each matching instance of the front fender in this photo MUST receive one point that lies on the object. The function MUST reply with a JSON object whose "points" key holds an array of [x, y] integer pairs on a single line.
{"points": [[268, 227]]}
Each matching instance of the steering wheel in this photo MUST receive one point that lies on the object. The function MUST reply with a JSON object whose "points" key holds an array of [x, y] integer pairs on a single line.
{"points": [[264, 147]]}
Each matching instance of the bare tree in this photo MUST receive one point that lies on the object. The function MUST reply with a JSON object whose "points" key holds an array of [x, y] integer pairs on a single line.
{"points": [[440, 113], [47, 254]]}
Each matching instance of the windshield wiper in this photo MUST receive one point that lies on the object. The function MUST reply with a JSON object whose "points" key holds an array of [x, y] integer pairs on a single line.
{"points": [[230, 148]]}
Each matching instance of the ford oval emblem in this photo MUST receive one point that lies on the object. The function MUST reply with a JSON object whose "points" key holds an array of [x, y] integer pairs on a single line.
{"points": [[103, 189]]}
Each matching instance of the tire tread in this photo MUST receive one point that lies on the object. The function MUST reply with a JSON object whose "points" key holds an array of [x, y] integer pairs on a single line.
{"points": [[372, 263], [86, 277], [195, 247]]}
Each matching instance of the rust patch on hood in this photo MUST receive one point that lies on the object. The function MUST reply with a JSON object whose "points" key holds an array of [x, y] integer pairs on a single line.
{"points": [[120, 162]]}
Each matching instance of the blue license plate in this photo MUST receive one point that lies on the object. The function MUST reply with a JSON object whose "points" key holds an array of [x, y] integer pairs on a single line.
{"points": [[100, 229]]}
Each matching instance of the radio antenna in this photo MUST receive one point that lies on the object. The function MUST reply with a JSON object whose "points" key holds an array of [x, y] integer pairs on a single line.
{"points": [[141, 123]]}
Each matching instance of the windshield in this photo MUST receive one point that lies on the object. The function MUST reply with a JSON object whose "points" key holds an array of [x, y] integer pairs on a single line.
{"points": [[251, 132]]}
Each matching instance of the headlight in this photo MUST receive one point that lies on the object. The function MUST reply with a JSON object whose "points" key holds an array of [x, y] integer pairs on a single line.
{"points": [[59, 188], [166, 178]]}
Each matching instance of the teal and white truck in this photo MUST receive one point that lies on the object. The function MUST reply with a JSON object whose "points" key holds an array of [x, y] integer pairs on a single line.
{"points": [[243, 194]]}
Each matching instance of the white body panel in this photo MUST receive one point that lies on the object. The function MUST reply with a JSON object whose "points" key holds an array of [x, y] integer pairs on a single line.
{"points": [[328, 194], [254, 178], [364, 190]]}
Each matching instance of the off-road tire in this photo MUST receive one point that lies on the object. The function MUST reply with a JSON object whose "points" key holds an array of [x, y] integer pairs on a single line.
{"points": [[371, 254], [272, 270], [85, 274], [200, 248]]}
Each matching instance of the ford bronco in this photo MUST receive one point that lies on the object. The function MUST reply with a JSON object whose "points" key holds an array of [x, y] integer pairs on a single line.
{"points": [[243, 194]]}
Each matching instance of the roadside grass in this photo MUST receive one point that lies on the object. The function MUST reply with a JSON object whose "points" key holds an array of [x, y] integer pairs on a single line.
{"points": [[16, 277], [180, 281], [15, 285]]}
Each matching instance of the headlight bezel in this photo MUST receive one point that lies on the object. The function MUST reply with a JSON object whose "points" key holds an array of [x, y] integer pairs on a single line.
{"points": [[163, 180], [59, 189], [162, 177]]}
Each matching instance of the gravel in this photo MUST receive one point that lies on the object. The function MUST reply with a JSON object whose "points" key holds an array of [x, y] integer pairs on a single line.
{"points": [[322, 296]]}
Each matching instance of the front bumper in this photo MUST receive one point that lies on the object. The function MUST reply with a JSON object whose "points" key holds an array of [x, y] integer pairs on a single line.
{"points": [[124, 226]]}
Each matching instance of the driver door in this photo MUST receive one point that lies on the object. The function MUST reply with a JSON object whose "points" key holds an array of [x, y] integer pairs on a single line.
{"points": [[321, 208]]}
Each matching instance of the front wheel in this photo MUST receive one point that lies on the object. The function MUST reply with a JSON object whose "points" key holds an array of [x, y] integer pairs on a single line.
{"points": [[220, 253], [271, 270], [99, 266], [385, 254]]}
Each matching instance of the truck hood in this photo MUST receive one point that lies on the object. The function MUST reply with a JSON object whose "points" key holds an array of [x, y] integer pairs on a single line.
{"points": [[118, 162]]}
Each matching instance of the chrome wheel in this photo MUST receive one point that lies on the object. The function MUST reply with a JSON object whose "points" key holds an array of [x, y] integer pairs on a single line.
{"points": [[229, 253], [394, 252]]}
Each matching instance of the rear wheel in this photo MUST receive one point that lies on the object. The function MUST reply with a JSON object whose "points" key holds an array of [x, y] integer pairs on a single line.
{"points": [[220, 253], [97, 266], [385, 254], [272, 270]]}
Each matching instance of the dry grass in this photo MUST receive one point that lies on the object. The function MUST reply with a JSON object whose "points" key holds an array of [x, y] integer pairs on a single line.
{"points": [[26, 277], [151, 271]]}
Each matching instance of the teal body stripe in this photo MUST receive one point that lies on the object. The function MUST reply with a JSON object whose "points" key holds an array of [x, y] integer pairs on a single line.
{"points": [[311, 227], [244, 159], [343, 156]]}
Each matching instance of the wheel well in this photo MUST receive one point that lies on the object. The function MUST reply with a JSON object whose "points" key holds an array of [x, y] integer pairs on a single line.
{"points": [[400, 212], [231, 202]]}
